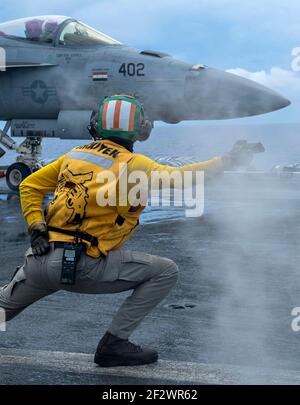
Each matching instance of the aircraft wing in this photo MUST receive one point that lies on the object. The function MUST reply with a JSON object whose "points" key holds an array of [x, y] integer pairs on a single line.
{"points": [[14, 65]]}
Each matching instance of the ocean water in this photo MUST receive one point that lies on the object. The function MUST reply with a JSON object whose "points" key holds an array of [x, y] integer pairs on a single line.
{"points": [[190, 143], [201, 142]]}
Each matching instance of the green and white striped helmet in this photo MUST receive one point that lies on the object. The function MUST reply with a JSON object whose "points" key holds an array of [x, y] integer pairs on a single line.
{"points": [[122, 116]]}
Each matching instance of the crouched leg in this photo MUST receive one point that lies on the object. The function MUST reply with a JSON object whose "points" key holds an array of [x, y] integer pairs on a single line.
{"points": [[153, 277], [25, 288], [156, 277]]}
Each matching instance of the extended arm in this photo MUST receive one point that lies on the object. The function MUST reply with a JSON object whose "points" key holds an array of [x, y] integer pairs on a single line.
{"points": [[152, 168], [241, 154]]}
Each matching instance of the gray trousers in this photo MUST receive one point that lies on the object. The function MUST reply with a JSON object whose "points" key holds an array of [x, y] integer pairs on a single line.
{"points": [[150, 277]]}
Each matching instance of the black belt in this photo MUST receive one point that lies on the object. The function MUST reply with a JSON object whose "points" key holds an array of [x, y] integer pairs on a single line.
{"points": [[62, 245], [77, 235]]}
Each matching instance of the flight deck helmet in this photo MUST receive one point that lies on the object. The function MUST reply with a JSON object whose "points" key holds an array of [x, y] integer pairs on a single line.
{"points": [[121, 116]]}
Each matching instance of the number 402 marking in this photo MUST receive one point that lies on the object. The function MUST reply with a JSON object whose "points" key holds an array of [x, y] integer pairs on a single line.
{"points": [[132, 69]]}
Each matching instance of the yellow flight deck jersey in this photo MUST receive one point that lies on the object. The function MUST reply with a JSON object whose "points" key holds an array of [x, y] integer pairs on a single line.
{"points": [[75, 179]]}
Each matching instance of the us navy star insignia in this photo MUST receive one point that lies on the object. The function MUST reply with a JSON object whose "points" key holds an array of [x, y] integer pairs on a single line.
{"points": [[39, 91]]}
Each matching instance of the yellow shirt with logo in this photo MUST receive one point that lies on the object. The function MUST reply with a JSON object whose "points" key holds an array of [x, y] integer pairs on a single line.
{"points": [[79, 191]]}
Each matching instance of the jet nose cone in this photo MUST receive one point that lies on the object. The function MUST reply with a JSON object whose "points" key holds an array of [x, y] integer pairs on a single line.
{"points": [[213, 94]]}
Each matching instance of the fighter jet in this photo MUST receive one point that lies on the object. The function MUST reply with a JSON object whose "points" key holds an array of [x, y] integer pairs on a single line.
{"points": [[55, 71]]}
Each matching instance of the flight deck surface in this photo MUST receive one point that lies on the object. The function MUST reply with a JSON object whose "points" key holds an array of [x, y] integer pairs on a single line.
{"points": [[228, 320]]}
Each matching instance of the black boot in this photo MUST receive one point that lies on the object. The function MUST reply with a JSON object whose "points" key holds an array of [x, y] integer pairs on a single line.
{"points": [[113, 351]]}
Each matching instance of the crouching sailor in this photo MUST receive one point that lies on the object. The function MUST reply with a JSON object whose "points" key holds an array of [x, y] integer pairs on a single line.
{"points": [[76, 244]]}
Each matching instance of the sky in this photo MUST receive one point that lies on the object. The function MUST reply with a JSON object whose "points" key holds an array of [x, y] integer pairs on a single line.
{"points": [[254, 38]]}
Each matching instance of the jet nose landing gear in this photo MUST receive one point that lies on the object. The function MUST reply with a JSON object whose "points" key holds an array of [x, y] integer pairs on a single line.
{"points": [[15, 174], [28, 160]]}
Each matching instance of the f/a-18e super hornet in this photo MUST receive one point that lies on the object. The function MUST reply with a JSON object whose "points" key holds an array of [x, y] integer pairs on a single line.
{"points": [[55, 72]]}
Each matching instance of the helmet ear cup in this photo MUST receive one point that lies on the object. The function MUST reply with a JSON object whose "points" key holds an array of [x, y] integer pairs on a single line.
{"points": [[145, 130], [93, 127]]}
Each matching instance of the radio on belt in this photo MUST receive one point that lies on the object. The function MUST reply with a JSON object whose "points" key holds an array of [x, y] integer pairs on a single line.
{"points": [[71, 256]]}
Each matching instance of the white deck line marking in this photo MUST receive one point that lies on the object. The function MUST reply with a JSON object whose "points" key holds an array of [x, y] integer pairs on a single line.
{"points": [[169, 370]]}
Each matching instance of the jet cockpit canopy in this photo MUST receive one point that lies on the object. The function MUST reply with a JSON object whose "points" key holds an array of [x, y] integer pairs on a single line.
{"points": [[56, 30]]}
